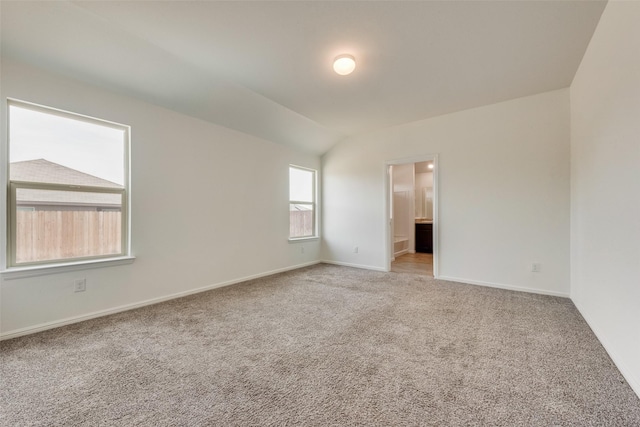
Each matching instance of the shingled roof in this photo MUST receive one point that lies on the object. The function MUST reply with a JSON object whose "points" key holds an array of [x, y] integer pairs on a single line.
{"points": [[44, 171]]}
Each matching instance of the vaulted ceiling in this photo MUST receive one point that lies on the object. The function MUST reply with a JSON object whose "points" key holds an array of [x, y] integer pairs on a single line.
{"points": [[264, 67]]}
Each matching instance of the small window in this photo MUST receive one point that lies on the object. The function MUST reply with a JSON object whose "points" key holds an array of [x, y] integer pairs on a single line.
{"points": [[68, 187], [302, 203]]}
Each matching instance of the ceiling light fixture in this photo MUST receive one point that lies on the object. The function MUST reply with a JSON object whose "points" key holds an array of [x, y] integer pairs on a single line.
{"points": [[430, 165], [344, 64]]}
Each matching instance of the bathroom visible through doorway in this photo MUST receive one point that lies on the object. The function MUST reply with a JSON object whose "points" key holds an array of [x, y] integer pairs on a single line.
{"points": [[412, 216]]}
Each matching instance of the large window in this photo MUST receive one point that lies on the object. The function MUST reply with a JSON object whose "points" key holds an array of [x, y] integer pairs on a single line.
{"points": [[302, 203], [68, 187]]}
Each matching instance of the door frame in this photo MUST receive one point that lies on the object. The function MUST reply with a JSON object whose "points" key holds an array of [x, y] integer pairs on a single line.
{"points": [[388, 229]]}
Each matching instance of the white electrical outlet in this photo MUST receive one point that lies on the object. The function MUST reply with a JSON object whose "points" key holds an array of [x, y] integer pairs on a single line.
{"points": [[536, 267], [355, 249], [80, 285]]}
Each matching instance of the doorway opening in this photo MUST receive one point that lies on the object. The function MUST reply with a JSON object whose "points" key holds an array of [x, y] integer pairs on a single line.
{"points": [[412, 215]]}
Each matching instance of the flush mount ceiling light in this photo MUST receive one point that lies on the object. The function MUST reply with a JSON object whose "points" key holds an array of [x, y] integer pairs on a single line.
{"points": [[430, 165], [344, 64]]}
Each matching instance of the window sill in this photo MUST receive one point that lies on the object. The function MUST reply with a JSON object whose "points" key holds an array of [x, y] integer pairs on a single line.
{"points": [[42, 270], [303, 239]]}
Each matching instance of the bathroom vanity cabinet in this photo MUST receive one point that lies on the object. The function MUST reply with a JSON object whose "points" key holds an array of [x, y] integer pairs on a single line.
{"points": [[424, 237]]}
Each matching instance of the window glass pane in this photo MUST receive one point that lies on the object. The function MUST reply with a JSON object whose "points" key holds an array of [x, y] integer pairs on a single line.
{"points": [[52, 148], [301, 220], [57, 152], [57, 225], [300, 185]]}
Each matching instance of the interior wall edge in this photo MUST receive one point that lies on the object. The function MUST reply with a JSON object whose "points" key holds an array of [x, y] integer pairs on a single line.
{"points": [[626, 372]]}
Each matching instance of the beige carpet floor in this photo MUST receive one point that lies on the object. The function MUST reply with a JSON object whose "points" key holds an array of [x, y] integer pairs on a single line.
{"points": [[322, 346]]}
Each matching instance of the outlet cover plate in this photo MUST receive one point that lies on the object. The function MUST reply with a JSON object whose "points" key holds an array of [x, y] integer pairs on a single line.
{"points": [[79, 285]]}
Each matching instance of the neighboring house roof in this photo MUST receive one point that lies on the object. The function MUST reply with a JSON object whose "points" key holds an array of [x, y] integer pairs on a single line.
{"points": [[42, 170]]}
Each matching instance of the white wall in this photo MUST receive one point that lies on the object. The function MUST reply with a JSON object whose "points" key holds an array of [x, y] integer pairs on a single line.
{"points": [[210, 205], [605, 186], [423, 180], [504, 192], [403, 177], [403, 207]]}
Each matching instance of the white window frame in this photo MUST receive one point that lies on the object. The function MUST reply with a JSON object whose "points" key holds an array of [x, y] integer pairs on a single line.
{"points": [[314, 204], [13, 186]]}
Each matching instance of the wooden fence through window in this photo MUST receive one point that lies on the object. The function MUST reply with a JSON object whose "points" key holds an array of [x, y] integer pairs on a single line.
{"points": [[51, 235], [300, 223]]}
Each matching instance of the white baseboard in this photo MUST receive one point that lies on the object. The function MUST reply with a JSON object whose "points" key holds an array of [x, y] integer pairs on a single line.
{"points": [[347, 264], [501, 286], [633, 382], [75, 319], [400, 253]]}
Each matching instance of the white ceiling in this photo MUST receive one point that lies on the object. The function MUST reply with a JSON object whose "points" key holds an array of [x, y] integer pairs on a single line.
{"points": [[264, 67]]}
